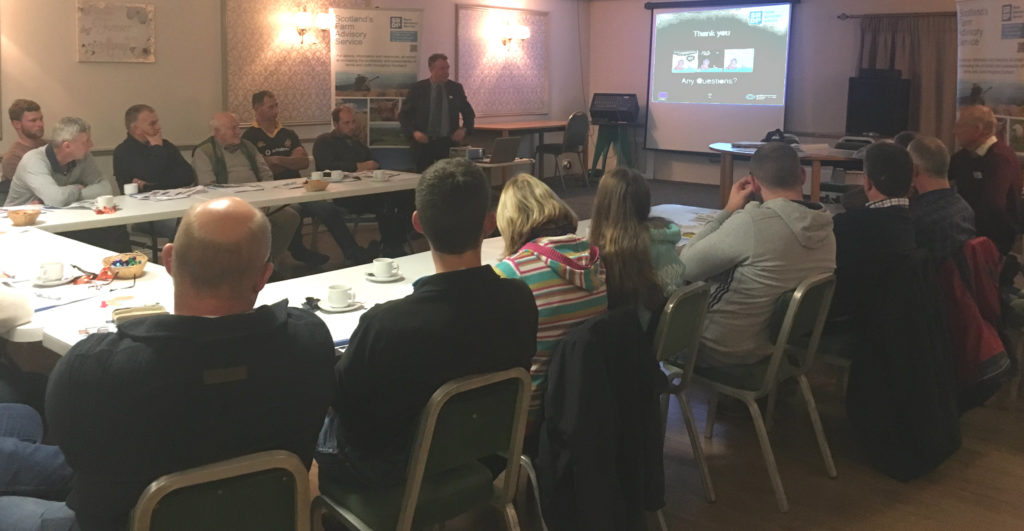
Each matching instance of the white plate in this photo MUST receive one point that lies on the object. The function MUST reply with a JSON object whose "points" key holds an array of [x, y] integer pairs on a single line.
{"points": [[324, 306], [51, 283], [374, 278]]}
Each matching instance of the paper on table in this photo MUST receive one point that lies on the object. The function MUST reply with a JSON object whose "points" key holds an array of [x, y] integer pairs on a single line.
{"points": [[167, 195], [237, 187]]}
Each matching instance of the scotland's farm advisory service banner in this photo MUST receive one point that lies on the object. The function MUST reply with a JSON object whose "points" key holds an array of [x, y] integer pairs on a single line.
{"points": [[375, 60], [990, 44]]}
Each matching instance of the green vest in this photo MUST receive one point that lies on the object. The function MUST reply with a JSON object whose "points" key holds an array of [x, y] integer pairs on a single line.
{"points": [[215, 153]]}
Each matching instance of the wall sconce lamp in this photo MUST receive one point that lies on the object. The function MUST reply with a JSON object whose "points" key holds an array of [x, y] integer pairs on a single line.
{"points": [[305, 21], [512, 33]]}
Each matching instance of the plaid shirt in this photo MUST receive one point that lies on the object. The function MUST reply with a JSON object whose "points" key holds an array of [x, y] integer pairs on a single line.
{"points": [[888, 202], [943, 222]]}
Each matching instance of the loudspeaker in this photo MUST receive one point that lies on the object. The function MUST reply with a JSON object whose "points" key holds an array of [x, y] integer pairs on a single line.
{"points": [[613, 108], [877, 105]]}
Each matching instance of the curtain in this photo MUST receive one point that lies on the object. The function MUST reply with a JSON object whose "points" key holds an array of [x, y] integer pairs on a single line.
{"points": [[924, 48]]}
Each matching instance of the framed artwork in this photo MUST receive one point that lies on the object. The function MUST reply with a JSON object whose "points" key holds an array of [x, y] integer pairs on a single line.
{"points": [[116, 33]]}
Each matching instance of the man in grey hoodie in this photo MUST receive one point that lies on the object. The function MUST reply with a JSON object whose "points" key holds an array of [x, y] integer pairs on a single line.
{"points": [[753, 252]]}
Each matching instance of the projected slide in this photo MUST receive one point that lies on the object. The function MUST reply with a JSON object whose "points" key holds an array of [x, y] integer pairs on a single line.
{"points": [[731, 56]]}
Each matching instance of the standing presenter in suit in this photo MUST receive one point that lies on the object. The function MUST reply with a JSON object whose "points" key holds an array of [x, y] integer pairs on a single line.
{"points": [[430, 114]]}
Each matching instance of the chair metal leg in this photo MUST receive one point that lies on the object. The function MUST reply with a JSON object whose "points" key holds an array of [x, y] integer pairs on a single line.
{"points": [[558, 172], [663, 399], [511, 519], [769, 409], [531, 473], [583, 169], [709, 422], [769, 456], [697, 445], [819, 432]]}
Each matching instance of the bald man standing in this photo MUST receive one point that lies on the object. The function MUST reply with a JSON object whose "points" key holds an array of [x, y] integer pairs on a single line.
{"points": [[216, 380], [987, 176], [226, 158]]}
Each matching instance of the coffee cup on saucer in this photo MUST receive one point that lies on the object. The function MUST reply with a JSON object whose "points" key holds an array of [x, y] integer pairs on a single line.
{"points": [[316, 176], [50, 272], [381, 175], [340, 296], [385, 268]]}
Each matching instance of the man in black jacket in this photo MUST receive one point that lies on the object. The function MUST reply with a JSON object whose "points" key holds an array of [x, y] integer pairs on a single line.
{"points": [[216, 380], [462, 320], [871, 239], [430, 114]]}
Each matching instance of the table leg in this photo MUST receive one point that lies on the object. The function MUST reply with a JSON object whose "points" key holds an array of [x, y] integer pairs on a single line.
{"points": [[816, 181], [725, 179], [539, 159]]}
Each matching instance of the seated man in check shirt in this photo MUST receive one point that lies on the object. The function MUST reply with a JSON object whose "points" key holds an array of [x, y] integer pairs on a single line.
{"points": [[225, 158], [463, 320]]}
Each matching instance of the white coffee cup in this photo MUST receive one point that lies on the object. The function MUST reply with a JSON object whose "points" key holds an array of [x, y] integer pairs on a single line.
{"points": [[105, 201], [339, 295], [50, 271], [384, 268], [316, 176], [381, 175], [131, 188]]}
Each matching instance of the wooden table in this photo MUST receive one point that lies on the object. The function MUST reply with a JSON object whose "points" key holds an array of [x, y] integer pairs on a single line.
{"points": [[728, 152], [538, 126]]}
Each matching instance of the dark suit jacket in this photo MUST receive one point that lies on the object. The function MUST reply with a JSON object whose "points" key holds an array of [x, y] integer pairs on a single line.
{"points": [[415, 115]]}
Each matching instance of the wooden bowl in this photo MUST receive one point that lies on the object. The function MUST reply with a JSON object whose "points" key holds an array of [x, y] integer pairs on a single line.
{"points": [[23, 217], [318, 185], [126, 272]]}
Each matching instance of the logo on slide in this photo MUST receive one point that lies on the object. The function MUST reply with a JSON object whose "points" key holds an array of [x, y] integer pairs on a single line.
{"points": [[750, 96], [754, 19]]}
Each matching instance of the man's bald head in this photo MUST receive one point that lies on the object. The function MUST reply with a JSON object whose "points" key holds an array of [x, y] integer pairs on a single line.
{"points": [[222, 248], [226, 130], [976, 124]]}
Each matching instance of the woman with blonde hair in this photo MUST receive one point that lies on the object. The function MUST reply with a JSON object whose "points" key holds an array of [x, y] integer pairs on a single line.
{"points": [[561, 268], [638, 251]]}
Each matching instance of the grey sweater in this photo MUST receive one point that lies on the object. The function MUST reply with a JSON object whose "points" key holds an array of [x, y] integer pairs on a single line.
{"points": [[750, 258], [37, 180]]}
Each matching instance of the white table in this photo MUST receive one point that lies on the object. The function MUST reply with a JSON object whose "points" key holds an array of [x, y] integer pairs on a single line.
{"points": [[273, 193], [61, 327], [24, 249]]}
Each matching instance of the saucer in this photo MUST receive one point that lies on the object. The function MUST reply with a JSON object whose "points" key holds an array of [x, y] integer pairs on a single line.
{"points": [[324, 306], [383, 280], [51, 283]]}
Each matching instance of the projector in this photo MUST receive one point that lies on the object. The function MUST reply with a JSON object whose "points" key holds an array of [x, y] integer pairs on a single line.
{"points": [[466, 152]]}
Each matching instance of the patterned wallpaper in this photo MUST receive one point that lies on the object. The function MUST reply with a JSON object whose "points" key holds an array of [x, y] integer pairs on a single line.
{"points": [[263, 53], [502, 79]]}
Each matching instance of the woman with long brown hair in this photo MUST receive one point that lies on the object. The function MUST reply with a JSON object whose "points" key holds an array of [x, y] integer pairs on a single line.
{"points": [[638, 251]]}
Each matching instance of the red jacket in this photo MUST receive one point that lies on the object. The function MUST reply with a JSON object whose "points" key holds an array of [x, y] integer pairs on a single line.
{"points": [[970, 285]]}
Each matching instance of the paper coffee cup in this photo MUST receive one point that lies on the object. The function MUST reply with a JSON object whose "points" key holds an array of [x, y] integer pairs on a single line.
{"points": [[51, 271], [316, 176], [105, 201], [131, 188], [380, 175]]}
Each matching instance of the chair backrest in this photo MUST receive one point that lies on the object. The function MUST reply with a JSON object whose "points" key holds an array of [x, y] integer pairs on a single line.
{"points": [[576, 132], [681, 325], [261, 491], [804, 318], [466, 419]]}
